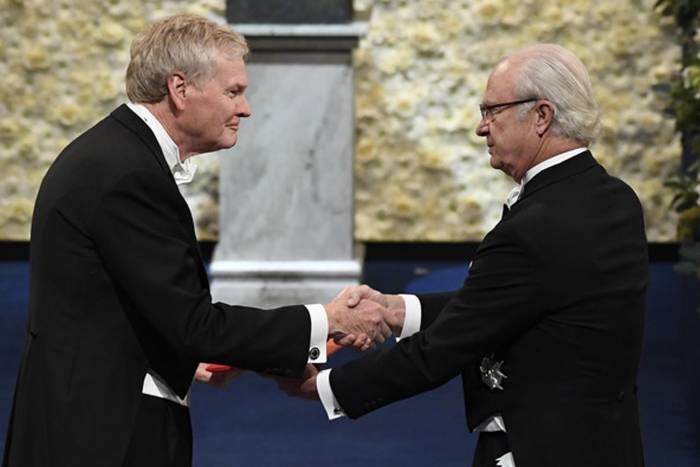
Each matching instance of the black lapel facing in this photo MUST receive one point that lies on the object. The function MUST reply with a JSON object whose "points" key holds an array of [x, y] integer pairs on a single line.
{"points": [[505, 212], [133, 122]]}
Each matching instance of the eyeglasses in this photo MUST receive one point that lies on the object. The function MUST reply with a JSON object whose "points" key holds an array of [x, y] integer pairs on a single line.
{"points": [[488, 111]]}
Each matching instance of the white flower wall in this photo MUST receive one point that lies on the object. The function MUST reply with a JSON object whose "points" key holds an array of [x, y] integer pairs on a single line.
{"points": [[62, 66], [421, 172]]}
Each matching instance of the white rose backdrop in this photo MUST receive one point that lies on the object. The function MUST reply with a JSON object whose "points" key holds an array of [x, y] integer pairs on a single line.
{"points": [[421, 172], [62, 65]]}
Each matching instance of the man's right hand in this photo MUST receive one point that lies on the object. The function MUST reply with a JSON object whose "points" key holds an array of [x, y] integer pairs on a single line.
{"points": [[394, 304], [364, 321]]}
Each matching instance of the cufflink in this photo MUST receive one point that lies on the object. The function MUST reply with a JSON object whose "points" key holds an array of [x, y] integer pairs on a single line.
{"points": [[314, 353], [337, 411]]}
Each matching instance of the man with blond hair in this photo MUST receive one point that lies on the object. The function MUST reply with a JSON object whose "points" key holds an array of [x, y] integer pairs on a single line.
{"points": [[120, 312], [547, 329]]}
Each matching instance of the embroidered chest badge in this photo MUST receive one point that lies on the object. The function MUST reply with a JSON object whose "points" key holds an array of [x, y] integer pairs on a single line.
{"points": [[491, 374]]}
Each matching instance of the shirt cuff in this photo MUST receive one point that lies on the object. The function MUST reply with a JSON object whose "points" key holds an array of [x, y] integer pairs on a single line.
{"points": [[319, 333], [325, 393], [411, 322]]}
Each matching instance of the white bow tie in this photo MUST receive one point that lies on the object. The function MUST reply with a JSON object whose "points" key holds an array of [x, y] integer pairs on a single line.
{"points": [[513, 196], [184, 172]]}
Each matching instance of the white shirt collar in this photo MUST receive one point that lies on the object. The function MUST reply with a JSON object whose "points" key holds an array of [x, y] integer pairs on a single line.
{"points": [[551, 162], [546, 164], [183, 172]]}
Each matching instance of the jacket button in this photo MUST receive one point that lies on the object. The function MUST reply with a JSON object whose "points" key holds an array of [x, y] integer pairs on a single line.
{"points": [[314, 353], [621, 396]]}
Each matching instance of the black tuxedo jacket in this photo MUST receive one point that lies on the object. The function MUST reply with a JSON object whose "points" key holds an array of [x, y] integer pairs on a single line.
{"points": [[118, 287], [557, 292]]}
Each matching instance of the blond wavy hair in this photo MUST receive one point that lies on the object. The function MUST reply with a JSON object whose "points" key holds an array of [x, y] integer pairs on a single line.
{"points": [[188, 44]]}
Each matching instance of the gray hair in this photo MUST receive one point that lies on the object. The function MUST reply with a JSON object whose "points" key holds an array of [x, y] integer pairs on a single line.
{"points": [[182, 43], [549, 71]]}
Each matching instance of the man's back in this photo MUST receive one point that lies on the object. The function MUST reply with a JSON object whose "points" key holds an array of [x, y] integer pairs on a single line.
{"points": [[83, 361]]}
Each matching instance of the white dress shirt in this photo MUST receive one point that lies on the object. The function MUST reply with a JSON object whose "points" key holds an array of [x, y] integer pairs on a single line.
{"points": [[414, 310], [183, 172], [514, 194]]}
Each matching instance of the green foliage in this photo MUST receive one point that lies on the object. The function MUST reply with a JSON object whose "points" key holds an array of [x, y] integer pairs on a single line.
{"points": [[683, 11], [684, 185], [686, 86], [686, 107], [689, 225]]}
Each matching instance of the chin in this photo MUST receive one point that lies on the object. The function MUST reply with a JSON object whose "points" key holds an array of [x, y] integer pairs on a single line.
{"points": [[227, 143]]}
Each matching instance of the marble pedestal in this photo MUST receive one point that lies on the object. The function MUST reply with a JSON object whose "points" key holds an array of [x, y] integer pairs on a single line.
{"points": [[286, 232]]}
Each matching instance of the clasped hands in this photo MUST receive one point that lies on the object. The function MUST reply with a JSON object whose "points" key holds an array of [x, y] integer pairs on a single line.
{"points": [[358, 317], [362, 317]]}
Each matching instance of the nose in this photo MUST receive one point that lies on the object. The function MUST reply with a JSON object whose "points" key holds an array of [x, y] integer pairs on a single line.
{"points": [[482, 129], [243, 109]]}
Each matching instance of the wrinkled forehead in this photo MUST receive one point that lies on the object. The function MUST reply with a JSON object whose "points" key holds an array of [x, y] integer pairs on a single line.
{"points": [[231, 52], [235, 73], [501, 81]]}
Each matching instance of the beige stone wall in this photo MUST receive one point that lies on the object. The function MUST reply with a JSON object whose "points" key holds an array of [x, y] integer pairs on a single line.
{"points": [[421, 173]]}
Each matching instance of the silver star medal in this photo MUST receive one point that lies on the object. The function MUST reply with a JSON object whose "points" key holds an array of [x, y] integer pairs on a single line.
{"points": [[491, 374]]}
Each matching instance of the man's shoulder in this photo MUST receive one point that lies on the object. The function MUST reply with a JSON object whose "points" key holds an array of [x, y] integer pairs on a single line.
{"points": [[586, 183], [108, 147], [99, 159], [111, 135], [574, 211]]}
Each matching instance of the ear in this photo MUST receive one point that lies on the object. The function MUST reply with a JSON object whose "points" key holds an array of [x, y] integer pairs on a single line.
{"points": [[544, 116], [177, 90]]}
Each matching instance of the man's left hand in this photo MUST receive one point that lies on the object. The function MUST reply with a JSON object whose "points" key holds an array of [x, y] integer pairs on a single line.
{"points": [[218, 379], [304, 388]]}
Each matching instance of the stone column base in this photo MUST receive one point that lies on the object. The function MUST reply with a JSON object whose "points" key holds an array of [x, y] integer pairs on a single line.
{"points": [[269, 284]]}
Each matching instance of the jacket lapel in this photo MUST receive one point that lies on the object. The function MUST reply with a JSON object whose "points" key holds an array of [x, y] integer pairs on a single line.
{"points": [[134, 123]]}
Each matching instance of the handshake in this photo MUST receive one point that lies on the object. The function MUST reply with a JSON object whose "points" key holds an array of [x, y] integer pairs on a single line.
{"points": [[362, 317], [358, 317]]}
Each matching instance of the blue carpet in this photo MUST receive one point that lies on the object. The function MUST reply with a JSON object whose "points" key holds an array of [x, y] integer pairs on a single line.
{"points": [[252, 424]]}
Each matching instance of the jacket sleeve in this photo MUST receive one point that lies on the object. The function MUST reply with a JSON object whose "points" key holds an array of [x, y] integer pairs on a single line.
{"points": [[144, 236], [431, 305], [501, 297]]}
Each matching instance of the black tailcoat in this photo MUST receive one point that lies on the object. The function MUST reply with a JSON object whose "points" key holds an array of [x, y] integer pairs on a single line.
{"points": [[118, 287], [557, 292]]}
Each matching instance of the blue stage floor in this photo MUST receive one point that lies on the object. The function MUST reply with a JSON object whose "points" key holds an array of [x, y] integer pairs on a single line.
{"points": [[252, 424]]}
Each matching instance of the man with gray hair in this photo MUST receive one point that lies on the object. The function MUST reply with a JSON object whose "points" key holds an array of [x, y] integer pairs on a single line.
{"points": [[547, 328], [120, 313]]}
